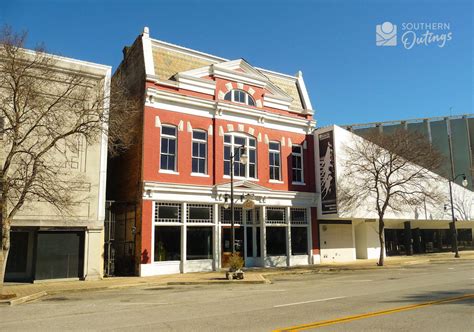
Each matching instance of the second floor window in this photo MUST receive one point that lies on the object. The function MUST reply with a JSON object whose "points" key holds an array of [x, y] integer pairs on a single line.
{"points": [[168, 148], [274, 160], [232, 144], [297, 163], [199, 153]]}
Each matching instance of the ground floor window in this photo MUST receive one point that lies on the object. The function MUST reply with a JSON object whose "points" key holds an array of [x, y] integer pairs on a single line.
{"points": [[299, 240], [199, 243], [167, 243], [276, 241]]}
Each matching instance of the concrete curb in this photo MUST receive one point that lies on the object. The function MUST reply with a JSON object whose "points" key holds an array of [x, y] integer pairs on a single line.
{"points": [[24, 299], [219, 282]]}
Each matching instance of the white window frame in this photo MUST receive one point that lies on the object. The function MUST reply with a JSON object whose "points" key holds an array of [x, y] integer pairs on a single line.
{"points": [[247, 151], [247, 97], [196, 140], [300, 154], [175, 137], [270, 151]]}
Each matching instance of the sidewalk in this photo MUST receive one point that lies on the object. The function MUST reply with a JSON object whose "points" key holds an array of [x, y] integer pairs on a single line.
{"points": [[28, 292]]}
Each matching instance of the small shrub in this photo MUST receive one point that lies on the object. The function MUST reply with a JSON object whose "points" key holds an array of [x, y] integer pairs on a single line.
{"points": [[235, 262]]}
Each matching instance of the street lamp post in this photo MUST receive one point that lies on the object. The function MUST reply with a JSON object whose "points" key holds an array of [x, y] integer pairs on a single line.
{"points": [[455, 235], [241, 151]]}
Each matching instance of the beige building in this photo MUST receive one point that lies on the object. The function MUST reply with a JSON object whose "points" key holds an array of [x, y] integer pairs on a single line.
{"points": [[46, 244]]}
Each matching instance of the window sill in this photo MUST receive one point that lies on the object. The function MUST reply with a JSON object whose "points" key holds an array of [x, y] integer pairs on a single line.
{"points": [[241, 178], [165, 171], [275, 181], [202, 175], [298, 183]]}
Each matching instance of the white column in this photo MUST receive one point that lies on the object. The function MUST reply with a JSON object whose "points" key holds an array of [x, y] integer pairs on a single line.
{"points": [[215, 220], [183, 237], [310, 236], [288, 235], [263, 235]]}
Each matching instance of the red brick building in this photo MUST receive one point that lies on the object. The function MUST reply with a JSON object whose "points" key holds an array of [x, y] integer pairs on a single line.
{"points": [[199, 109]]}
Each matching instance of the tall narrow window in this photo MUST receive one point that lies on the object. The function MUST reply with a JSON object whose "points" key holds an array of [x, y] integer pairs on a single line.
{"points": [[297, 163], [199, 151], [274, 160], [232, 144], [168, 148]]}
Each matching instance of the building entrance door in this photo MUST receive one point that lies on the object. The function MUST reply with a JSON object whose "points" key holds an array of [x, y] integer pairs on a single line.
{"points": [[252, 237], [227, 243]]}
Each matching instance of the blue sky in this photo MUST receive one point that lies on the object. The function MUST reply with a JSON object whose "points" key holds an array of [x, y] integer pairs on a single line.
{"points": [[349, 78]]}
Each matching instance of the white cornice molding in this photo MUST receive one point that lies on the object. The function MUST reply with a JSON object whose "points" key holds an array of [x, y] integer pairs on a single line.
{"points": [[196, 84], [156, 189], [239, 113]]}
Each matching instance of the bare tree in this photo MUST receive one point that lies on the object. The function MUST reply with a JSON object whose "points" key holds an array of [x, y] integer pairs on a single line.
{"points": [[390, 171], [46, 110], [463, 204]]}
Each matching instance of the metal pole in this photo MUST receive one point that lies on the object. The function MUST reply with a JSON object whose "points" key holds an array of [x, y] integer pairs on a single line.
{"points": [[455, 235], [232, 157]]}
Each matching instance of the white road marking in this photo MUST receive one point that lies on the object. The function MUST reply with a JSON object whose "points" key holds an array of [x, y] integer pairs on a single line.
{"points": [[311, 301], [450, 268]]}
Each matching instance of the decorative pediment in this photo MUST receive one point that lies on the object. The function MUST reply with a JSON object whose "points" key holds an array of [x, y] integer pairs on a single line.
{"points": [[239, 71], [244, 185]]}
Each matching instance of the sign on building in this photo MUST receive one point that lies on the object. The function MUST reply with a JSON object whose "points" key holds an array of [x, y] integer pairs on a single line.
{"points": [[327, 172]]}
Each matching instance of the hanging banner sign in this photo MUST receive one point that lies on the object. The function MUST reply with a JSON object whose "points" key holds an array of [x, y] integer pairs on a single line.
{"points": [[327, 172]]}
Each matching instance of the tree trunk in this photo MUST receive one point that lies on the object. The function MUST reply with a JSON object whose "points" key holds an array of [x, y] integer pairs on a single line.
{"points": [[4, 248], [382, 242], [3, 267]]}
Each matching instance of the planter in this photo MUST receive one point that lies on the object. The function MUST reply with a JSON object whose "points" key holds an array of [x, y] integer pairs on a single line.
{"points": [[239, 274]]}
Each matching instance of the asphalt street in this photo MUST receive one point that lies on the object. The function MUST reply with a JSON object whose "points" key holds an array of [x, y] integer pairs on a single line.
{"points": [[431, 297]]}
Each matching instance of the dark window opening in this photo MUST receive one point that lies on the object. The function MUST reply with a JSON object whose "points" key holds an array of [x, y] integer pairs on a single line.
{"points": [[199, 243], [299, 240], [276, 241], [167, 243]]}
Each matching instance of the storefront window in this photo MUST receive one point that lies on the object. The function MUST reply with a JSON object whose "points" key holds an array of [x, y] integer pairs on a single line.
{"points": [[276, 241], [199, 243], [299, 240], [167, 243]]}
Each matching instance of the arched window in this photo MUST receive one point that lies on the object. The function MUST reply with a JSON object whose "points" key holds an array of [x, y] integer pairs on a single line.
{"points": [[239, 96]]}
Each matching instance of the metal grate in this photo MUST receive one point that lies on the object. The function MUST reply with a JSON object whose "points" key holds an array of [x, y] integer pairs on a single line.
{"points": [[253, 216], [202, 213], [270, 216], [226, 213], [165, 214], [298, 216]]}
